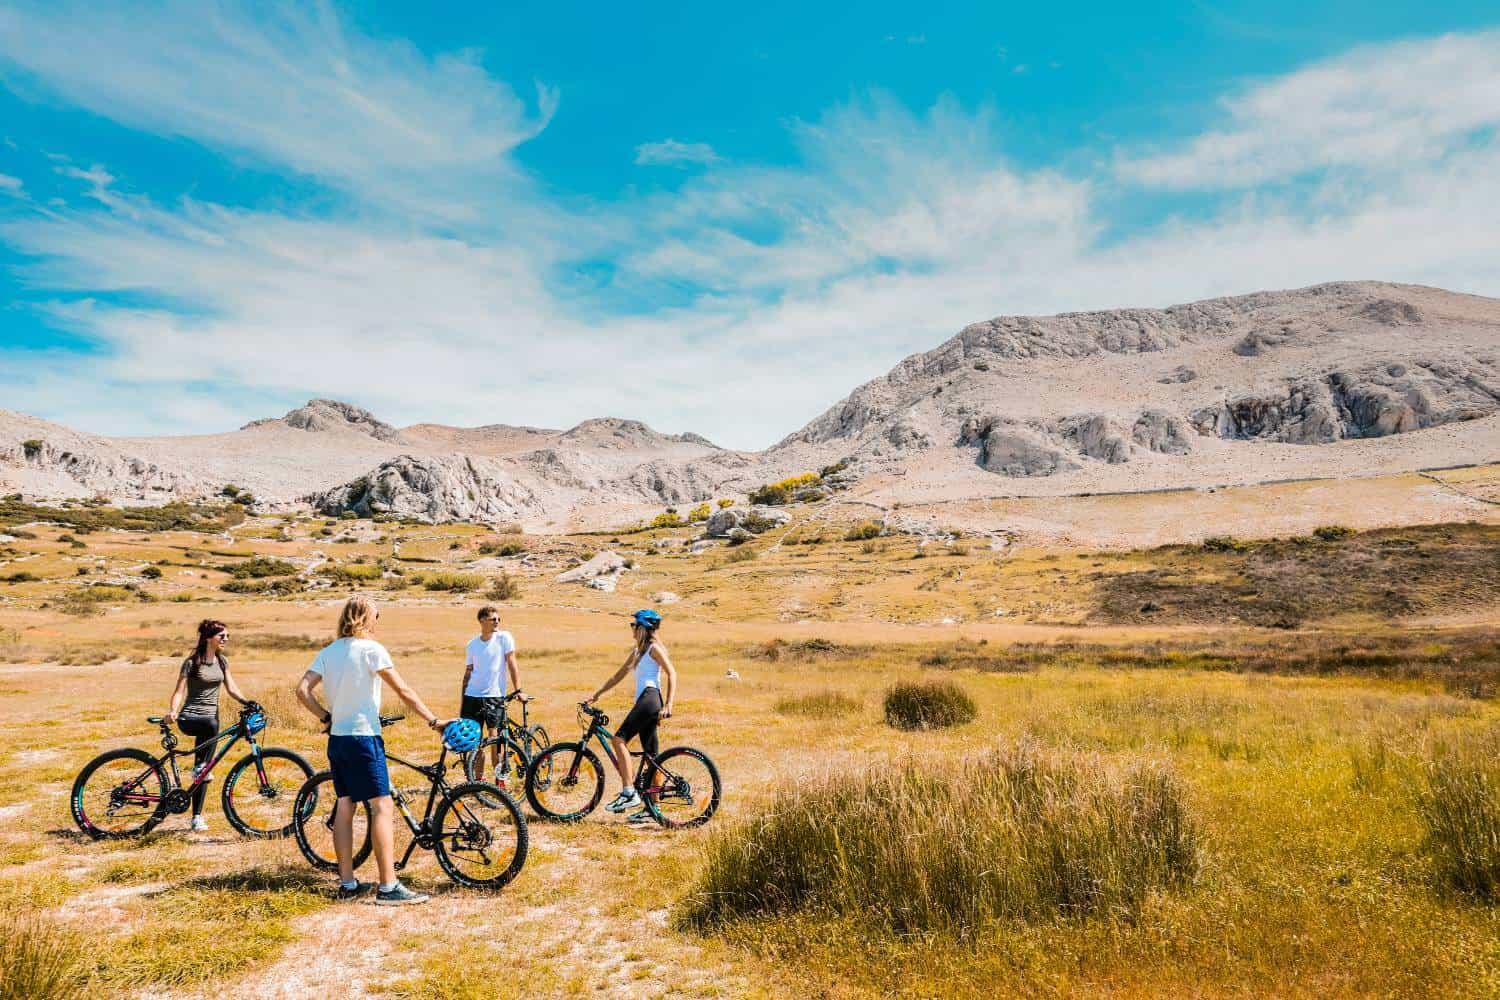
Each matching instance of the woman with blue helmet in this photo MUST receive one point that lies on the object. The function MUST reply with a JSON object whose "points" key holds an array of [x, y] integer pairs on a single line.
{"points": [[655, 686]]}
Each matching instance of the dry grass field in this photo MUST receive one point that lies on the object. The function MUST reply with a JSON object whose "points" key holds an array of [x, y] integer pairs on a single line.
{"points": [[1224, 769]]}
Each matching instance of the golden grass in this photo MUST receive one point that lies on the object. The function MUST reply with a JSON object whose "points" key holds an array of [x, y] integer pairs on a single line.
{"points": [[40, 959], [1460, 807], [826, 704], [931, 844]]}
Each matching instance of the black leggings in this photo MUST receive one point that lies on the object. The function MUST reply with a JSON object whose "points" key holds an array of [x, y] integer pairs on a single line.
{"points": [[203, 729], [642, 721]]}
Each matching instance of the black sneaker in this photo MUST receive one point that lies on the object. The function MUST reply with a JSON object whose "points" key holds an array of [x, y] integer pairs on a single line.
{"points": [[399, 896], [359, 890]]}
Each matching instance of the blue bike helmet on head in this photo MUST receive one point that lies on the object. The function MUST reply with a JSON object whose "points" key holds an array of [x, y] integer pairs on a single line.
{"points": [[462, 735], [647, 619]]}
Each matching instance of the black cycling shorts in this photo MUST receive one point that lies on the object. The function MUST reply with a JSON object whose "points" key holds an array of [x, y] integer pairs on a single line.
{"points": [[485, 711], [643, 720]]}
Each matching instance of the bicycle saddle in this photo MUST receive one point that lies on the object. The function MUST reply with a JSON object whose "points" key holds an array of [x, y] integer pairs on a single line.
{"points": [[156, 720]]}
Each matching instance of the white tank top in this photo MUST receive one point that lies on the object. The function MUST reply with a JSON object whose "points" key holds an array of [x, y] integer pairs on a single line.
{"points": [[647, 674]]}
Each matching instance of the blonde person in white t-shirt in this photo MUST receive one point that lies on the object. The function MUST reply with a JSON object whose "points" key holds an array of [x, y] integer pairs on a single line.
{"points": [[488, 659], [351, 670]]}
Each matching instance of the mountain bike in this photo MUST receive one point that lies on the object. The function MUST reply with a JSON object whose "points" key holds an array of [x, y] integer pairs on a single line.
{"points": [[475, 829], [127, 792], [519, 746], [686, 794]]}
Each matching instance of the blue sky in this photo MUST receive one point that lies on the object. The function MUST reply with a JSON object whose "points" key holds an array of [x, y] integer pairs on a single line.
{"points": [[716, 218]]}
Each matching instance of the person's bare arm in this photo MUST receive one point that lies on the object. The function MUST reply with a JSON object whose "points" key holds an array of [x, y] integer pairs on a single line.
{"points": [[669, 677], [468, 672], [179, 693], [515, 672], [233, 688], [305, 686], [407, 694]]}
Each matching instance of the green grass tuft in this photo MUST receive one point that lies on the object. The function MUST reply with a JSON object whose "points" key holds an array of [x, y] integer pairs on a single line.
{"points": [[928, 705]]}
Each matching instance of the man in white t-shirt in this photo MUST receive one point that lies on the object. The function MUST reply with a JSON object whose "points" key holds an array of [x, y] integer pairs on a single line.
{"points": [[488, 659], [351, 670]]}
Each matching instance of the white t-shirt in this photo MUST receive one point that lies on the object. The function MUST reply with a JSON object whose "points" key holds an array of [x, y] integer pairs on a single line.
{"points": [[488, 661], [350, 669]]}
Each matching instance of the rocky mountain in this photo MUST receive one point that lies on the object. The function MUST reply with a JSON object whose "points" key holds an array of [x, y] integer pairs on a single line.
{"points": [[1334, 380]]}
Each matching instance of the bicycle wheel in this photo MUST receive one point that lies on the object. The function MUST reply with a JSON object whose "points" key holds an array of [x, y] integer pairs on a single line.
{"points": [[688, 790], [576, 785], [260, 805], [313, 824], [479, 836], [536, 741], [512, 760], [122, 793]]}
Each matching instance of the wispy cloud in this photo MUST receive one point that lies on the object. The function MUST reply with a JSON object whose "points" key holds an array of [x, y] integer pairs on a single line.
{"points": [[892, 228], [672, 153], [1379, 107], [11, 185]]}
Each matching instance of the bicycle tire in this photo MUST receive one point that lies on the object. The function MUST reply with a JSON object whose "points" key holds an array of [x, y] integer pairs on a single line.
{"points": [[566, 776], [279, 789], [309, 810], [476, 805], [671, 819], [149, 766]]}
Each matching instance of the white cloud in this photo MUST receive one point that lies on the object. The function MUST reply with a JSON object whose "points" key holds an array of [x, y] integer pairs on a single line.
{"points": [[671, 153], [1378, 107], [11, 185], [893, 230], [284, 84]]}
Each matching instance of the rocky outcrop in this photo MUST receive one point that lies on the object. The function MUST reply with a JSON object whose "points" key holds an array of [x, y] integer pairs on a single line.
{"points": [[1395, 398], [606, 563], [1014, 449], [1162, 432], [104, 470], [332, 415], [1096, 436], [434, 489], [753, 520]]}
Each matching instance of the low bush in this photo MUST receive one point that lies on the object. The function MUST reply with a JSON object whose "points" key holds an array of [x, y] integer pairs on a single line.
{"points": [[828, 704], [86, 600], [177, 516], [504, 588], [739, 555], [774, 494], [279, 586], [22, 576], [699, 513], [928, 705], [932, 845], [258, 568], [40, 959], [1460, 808], [494, 547], [863, 531], [32, 447], [458, 583], [1332, 532], [152, 572], [1223, 543], [352, 572], [667, 519]]}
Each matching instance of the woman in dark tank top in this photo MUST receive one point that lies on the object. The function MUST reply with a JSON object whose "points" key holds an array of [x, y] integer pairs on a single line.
{"points": [[195, 701]]}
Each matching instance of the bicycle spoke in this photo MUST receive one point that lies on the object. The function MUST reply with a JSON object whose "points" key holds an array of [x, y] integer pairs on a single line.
{"points": [[120, 797]]}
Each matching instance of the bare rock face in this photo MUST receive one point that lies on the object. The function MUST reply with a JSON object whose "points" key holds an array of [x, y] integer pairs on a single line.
{"points": [[331, 414], [1014, 449], [603, 564], [1394, 398], [1097, 436], [434, 489], [752, 520], [1162, 432], [100, 470]]}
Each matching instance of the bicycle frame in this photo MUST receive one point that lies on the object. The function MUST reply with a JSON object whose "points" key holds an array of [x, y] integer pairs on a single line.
{"points": [[169, 742], [423, 835], [598, 731]]}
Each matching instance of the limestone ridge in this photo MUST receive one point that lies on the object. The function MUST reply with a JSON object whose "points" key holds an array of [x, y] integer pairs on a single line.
{"points": [[1049, 396], [334, 415]]}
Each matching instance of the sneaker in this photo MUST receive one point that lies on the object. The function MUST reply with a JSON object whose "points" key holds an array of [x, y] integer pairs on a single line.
{"points": [[198, 825], [629, 797], [359, 890], [399, 896], [641, 817]]}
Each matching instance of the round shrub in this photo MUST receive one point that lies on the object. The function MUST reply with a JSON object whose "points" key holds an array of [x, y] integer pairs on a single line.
{"points": [[928, 705]]}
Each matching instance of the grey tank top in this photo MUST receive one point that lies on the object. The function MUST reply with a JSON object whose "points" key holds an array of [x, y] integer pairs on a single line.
{"points": [[203, 680]]}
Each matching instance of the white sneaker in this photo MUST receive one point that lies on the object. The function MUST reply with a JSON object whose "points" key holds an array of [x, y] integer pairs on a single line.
{"points": [[198, 825], [627, 798]]}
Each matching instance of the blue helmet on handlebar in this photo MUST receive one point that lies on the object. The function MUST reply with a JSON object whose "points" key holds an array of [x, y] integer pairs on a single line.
{"points": [[462, 735], [647, 619]]}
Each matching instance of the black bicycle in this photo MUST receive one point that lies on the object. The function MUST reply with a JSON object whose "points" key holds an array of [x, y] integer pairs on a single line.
{"points": [[679, 787], [518, 744], [127, 792], [475, 829]]}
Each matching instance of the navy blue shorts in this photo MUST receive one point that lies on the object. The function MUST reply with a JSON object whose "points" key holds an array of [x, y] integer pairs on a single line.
{"points": [[359, 769]]}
